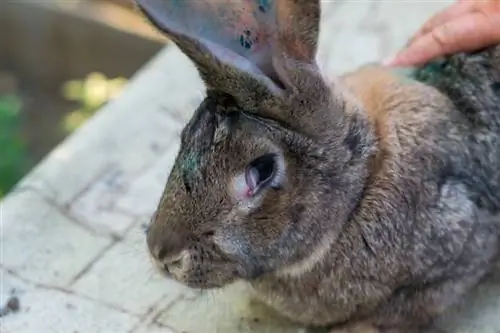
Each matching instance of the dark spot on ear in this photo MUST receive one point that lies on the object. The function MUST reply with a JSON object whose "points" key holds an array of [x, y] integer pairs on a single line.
{"points": [[496, 87], [296, 213], [246, 40]]}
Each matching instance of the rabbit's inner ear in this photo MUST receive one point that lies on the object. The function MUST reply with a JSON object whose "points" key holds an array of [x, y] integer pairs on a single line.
{"points": [[233, 31]]}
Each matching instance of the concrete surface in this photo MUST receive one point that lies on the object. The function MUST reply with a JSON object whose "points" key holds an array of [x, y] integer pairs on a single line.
{"points": [[73, 251]]}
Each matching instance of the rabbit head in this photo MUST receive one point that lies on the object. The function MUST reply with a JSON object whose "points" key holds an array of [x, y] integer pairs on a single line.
{"points": [[272, 161]]}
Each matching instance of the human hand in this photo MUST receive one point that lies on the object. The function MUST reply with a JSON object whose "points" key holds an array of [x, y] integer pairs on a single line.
{"points": [[466, 26]]}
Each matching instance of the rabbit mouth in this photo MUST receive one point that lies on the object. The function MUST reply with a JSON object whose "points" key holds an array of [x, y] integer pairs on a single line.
{"points": [[200, 265], [205, 285], [207, 275]]}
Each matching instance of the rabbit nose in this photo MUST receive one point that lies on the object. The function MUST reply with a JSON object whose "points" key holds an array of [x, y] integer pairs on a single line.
{"points": [[173, 264], [165, 245], [169, 265]]}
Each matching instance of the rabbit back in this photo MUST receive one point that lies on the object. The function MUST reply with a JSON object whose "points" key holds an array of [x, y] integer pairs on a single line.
{"points": [[471, 81]]}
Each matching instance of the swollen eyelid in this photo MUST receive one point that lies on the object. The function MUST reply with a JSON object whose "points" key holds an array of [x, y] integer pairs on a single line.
{"points": [[239, 188]]}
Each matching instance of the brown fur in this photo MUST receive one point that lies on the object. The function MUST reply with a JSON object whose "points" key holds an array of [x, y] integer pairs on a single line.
{"points": [[384, 214], [375, 87]]}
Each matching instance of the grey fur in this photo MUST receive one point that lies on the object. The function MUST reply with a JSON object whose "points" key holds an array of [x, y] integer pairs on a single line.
{"points": [[384, 218]]}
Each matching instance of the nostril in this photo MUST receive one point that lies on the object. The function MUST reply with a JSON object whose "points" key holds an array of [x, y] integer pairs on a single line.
{"points": [[177, 263]]}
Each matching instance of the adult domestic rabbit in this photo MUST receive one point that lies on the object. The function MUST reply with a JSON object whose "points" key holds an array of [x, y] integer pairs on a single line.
{"points": [[364, 203]]}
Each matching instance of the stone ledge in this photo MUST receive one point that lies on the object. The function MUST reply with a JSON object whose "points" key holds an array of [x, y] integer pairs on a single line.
{"points": [[56, 310], [43, 243]]}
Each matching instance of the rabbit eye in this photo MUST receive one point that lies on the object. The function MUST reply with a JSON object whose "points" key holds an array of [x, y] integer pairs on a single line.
{"points": [[260, 173]]}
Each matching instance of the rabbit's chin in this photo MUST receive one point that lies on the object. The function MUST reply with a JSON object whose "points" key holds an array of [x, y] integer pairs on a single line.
{"points": [[207, 278], [206, 285]]}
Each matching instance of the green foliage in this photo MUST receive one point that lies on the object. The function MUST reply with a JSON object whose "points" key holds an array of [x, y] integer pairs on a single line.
{"points": [[91, 94], [14, 161]]}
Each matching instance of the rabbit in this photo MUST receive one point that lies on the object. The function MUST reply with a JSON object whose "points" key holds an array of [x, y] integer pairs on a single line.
{"points": [[366, 202]]}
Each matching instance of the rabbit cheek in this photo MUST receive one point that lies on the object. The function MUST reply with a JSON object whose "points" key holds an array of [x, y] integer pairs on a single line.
{"points": [[232, 242], [195, 274], [207, 270]]}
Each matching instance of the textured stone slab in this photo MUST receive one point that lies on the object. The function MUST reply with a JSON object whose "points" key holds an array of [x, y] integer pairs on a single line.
{"points": [[153, 328], [479, 312], [43, 245], [143, 194], [51, 310]]}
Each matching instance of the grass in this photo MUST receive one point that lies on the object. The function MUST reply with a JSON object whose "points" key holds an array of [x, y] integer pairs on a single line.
{"points": [[14, 160]]}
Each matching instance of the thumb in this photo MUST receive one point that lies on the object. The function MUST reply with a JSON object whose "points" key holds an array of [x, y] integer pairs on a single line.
{"points": [[466, 34]]}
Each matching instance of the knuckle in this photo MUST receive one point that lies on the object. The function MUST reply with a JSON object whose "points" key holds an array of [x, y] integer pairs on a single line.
{"points": [[442, 37]]}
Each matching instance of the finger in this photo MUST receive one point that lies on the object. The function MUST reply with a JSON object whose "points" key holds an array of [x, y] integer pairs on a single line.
{"points": [[447, 14], [466, 34]]}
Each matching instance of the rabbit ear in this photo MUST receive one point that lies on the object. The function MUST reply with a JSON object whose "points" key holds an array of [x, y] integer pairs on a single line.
{"points": [[214, 33], [247, 35], [297, 28], [254, 50]]}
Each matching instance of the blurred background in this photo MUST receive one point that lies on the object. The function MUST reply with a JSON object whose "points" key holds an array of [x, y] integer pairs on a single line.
{"points": [[60, 62]]}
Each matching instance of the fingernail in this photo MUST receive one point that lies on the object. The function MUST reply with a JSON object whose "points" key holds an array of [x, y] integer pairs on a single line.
{"points": [[389, 60]]}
